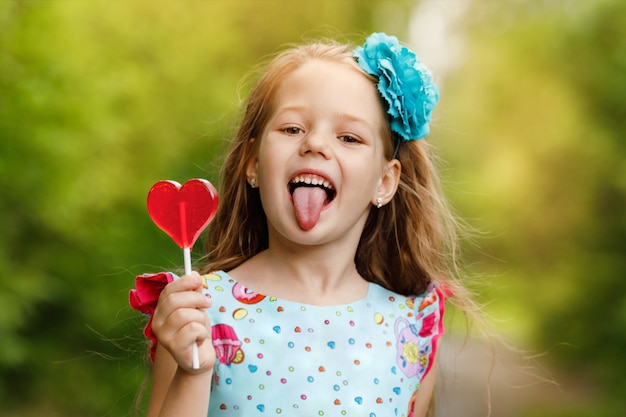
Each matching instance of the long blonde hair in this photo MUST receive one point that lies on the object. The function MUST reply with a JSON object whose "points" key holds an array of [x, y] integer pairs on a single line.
{"points": [[405, 245]]}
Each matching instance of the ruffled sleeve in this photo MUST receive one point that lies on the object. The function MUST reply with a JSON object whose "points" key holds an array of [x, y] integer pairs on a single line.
{"points": [[144, 297], [433, 308], [419, 337]]}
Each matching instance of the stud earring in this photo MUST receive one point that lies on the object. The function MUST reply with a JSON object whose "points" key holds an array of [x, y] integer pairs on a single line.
{"points": [[252, 182], [379, 202]]}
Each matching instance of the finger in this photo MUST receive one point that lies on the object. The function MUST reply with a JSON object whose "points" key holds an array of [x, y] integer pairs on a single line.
{"points": [[190, 282], [184, 292], [168, 320], [183, 299], [183, 341], [183, 317], [175, 310], [168, 331]]}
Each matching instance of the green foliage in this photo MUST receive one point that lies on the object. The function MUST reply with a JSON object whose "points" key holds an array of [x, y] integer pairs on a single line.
{"points": [[534, 132], [601, 237]]}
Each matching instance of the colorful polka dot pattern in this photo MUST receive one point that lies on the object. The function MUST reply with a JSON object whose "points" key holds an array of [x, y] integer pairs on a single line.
{"points": [[280, 358]]}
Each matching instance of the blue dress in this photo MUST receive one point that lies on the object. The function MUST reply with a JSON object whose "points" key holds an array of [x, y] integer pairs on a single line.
{"points": [[282, 358]]}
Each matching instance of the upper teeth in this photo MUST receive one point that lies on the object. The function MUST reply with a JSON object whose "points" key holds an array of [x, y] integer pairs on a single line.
{"points": [[312, 180]]}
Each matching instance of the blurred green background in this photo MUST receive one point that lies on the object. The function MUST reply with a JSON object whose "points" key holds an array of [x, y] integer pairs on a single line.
{"points": [[100, 99]]}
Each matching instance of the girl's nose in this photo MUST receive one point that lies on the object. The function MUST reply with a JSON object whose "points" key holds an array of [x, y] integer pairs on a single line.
{"points": [[316, 143]]}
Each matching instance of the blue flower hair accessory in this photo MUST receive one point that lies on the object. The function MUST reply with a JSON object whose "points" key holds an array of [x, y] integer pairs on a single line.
{"points": [[404, 83]]}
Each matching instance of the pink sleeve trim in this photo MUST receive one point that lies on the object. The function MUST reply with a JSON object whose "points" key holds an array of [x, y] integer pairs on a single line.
{"points": [[438, 328], [144, 297]]}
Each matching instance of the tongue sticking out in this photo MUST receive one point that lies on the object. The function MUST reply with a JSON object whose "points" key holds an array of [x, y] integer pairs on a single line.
{"points": [[308, 203]]}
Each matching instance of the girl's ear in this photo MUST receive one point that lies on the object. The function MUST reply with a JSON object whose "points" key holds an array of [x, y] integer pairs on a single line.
{"points": [[388, 184], [252, 168]]}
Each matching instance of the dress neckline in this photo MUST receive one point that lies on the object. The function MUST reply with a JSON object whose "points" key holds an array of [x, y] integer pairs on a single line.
{"points": [[371, 288]]}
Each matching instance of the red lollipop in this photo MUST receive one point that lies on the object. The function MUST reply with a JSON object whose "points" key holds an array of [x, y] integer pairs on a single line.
{"points": [[183, 212]]}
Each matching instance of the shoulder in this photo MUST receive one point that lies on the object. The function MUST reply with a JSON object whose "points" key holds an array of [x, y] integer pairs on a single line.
{"points": [[216, 279], [421, 314], [217, 282], [417, 325], [430, 301]]}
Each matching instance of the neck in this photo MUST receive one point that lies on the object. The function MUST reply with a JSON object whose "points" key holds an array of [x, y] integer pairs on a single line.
{"points": [[316, 268], [320, 275]]}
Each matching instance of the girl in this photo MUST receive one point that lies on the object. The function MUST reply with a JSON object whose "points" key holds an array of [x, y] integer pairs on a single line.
{"points": [[330, 257]]}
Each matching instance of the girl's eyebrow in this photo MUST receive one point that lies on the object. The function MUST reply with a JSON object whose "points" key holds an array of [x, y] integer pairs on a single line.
{"points": [[352, 118], [290, 108], [280, 111], [360, 121]]}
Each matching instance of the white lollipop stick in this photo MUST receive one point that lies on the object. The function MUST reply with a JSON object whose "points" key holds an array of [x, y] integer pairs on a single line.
{"points": [[187, 259]]}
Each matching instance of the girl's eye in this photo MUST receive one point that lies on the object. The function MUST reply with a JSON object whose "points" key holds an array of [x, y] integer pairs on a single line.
{"points": [[292, 130], [349, 139]]}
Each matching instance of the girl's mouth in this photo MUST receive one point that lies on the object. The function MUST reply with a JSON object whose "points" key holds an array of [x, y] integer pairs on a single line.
{"points": [[310, 194], [313, 181]]}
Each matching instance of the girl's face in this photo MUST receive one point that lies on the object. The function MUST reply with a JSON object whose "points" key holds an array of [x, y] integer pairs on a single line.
{"points": [[320, 163]]}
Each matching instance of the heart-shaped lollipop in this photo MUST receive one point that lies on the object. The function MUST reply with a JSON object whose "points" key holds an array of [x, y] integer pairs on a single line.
{"points": [[183, 212]]}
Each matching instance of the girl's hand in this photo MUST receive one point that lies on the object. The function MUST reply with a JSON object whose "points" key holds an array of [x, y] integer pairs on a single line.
{"points": [[180, 320]]}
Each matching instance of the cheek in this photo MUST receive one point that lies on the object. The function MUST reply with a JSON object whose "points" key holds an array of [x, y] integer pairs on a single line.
{"points": [[366, 176], [270, 175], [264, 163]]}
